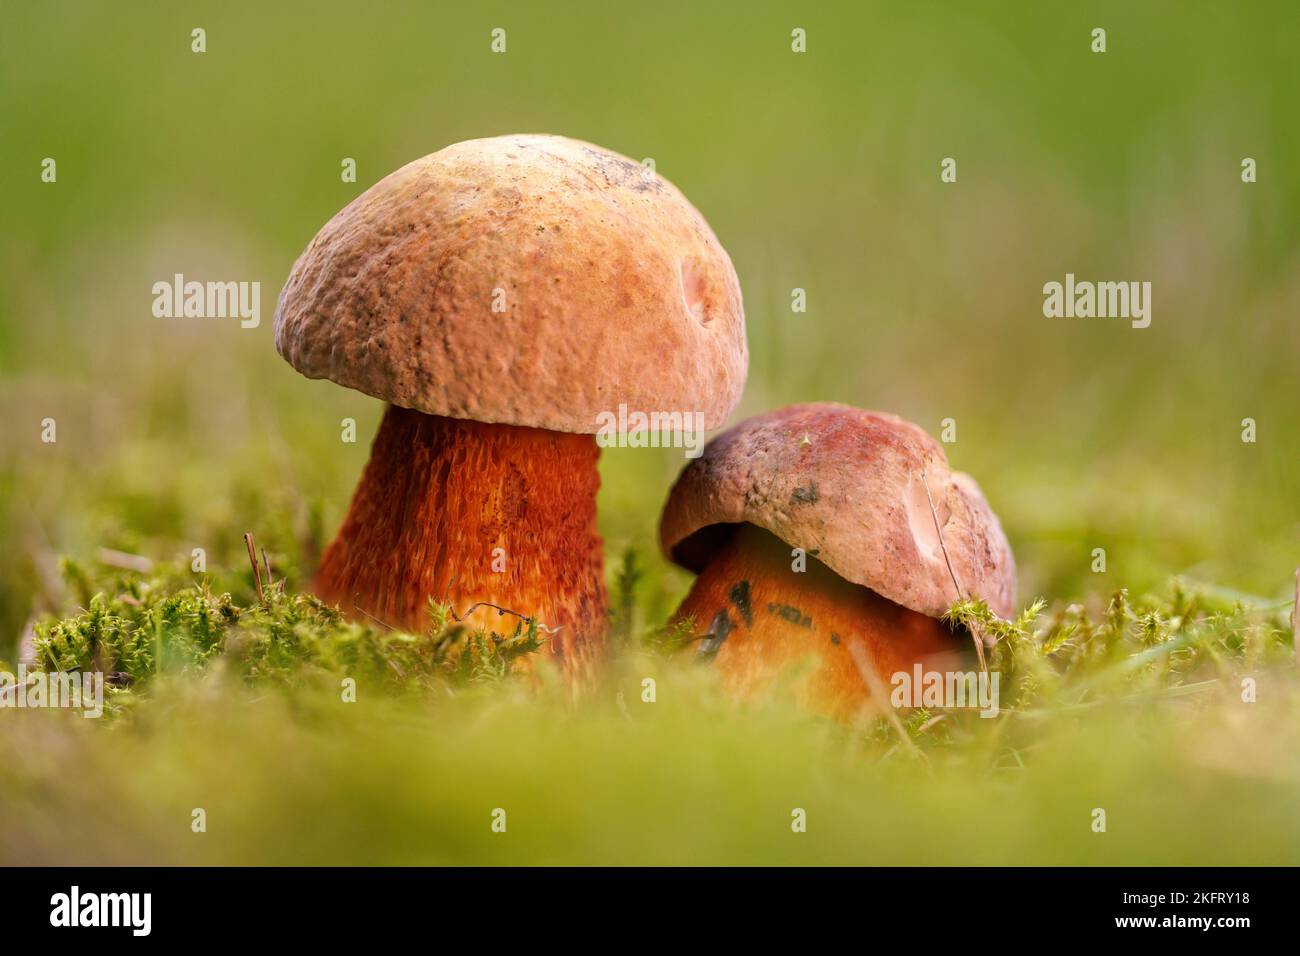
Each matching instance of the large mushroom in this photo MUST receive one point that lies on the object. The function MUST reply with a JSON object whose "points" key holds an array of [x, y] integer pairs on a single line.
{"points": [[501, 294], [830, 531]]}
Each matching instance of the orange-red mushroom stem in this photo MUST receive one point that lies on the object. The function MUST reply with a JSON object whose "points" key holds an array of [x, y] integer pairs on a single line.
{"points": [[756, 616], [469, 512]]}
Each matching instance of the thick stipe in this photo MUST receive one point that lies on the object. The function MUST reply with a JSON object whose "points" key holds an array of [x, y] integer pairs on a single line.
{"points": [[472, 512]]}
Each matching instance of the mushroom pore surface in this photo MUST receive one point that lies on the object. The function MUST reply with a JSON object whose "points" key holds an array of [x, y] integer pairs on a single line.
{"points": [[437, 500], [758, 616]]}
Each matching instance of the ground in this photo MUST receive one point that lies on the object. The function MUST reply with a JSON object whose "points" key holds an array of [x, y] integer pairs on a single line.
{"points": [[868, 279]]}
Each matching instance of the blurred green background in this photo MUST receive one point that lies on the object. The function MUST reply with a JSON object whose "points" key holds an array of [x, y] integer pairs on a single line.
{"points": [[818, 171]]}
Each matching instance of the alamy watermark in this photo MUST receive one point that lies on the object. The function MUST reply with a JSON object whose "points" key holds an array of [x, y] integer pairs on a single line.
{"points": [[1101, 300], [179, 299], [75, 690], [74, 908], [946, 690], [625, 429]]}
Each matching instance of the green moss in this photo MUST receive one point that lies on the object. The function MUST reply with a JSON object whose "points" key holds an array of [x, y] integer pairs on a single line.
{"points": [[234, 704], [137, 627], [1156, 644]]}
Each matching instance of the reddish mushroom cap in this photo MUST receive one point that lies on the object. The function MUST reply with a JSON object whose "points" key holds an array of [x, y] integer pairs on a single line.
{"points": [[521, 280], [846, 486]]}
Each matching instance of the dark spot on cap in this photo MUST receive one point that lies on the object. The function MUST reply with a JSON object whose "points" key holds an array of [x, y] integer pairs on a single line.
{"points": [[805, 496], [791, 614], [716, 635], [739, 596]]}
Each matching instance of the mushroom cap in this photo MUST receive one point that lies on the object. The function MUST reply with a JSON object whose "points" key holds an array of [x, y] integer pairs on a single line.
{"points": [[526, 280], [846, 486]]}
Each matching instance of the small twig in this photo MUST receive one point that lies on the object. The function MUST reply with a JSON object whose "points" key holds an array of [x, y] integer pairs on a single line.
{"points": [[878, 693], [269, 580], [52, 586], [1181, 690], [125, 561], [925, 483], [460, 618], [358, 607], [936, 719], [975, 637], [27, 641], [252, 559]]}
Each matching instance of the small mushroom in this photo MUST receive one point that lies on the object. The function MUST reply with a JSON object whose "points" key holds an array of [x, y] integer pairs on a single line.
{"points": [[827, 530], [501, 294]]}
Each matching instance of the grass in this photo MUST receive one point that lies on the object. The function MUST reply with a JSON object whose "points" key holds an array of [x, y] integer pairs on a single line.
{"points": [[238, 706], [819, 172]]}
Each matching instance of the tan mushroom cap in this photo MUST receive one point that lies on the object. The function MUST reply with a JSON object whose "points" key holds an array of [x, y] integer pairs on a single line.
{"points": [[846, 486], [609, 287]]}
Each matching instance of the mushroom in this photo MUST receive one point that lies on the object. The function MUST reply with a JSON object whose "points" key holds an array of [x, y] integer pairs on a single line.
{"points": [[827, 530], [500, 295]]}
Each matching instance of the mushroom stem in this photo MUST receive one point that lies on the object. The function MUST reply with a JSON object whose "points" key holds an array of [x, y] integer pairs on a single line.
{"points": [[758, 616], [467, 512]]}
